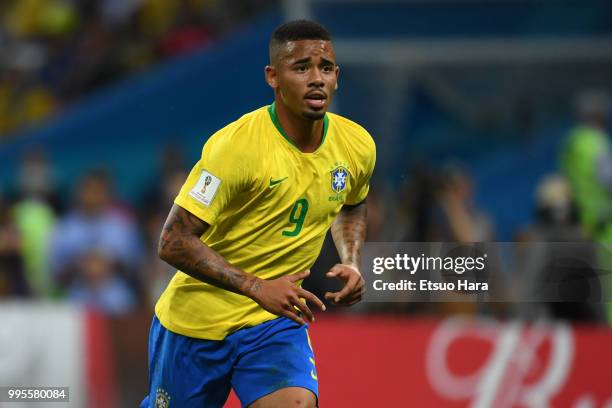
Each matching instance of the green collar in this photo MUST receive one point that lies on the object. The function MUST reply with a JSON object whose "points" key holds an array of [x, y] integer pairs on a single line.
{"points": [[274, 117]]}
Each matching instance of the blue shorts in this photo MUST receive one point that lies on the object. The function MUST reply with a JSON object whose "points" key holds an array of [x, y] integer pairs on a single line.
{"points": [[256, 361]]}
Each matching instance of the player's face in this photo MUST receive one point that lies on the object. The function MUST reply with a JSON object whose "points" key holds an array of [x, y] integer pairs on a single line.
{"points": [[305, 75]]}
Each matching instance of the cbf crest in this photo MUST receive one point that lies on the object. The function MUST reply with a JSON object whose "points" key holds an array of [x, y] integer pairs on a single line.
{"points": [[339, 179], [162, 399]]}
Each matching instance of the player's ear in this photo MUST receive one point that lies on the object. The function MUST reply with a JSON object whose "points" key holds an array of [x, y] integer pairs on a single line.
{"points": [[271, 79], [337, 76]]}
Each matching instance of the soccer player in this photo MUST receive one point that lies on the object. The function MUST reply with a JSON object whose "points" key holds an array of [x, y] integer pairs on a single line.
{"points": [[245, 229]]}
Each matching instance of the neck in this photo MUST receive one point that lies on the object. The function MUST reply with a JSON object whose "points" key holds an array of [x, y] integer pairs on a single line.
{"points": [[306, 134]]}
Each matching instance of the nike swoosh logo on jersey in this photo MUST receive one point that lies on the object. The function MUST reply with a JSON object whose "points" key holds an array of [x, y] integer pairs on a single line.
{"points": [[274, 183]]}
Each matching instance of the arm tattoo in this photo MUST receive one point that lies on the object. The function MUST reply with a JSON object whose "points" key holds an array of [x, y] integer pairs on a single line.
{"points": [[181, 247], [348, 232]]}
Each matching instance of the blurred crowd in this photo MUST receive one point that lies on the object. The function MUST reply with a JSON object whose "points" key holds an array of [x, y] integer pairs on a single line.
{"points": [[90, 247], [54, 51]]}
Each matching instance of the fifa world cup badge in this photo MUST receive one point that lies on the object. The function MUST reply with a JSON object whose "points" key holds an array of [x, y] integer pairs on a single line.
{"points": [[207, 182], [206, 187]]}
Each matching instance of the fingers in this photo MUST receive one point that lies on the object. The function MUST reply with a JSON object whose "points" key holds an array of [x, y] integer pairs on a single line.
{"points": [[348, 288], [355, 298], [283, 298], [348, 301], [299, 276], [290, 313], [345, 291], [331, 296], [341, 269], [353, 288], [304, 309], [309, 296], [351, 293], [335, 271]]}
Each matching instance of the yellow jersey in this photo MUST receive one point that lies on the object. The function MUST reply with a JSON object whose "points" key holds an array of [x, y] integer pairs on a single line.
{"points": [[269, 206]]}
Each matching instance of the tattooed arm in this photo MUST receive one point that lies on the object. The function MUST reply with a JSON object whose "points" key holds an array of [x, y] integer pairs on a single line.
{"points": [[348, 232], [181, 247]]}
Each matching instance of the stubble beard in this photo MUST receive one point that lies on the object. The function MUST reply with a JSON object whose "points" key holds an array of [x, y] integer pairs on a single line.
{"points": [[313, 115]]}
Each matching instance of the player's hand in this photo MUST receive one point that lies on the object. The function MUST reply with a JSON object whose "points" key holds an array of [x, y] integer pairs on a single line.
{"points": [[281, 296], [354, 285]]}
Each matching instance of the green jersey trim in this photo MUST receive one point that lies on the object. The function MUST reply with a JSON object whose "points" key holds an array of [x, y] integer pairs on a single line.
{"points": [[277, 125]]}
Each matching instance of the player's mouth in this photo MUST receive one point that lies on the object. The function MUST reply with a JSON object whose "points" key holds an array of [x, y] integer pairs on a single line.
{"points": [[315, 100]]}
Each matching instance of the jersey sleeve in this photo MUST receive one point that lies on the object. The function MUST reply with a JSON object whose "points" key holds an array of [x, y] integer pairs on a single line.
{"points": [[360, 189], [215, 180]]}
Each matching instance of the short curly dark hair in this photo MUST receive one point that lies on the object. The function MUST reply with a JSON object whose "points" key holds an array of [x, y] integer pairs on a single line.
{"points": [[300, 30], [294, 31]]}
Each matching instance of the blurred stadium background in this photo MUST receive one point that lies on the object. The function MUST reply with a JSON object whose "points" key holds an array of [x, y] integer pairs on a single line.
{"points": [[490, 119]]}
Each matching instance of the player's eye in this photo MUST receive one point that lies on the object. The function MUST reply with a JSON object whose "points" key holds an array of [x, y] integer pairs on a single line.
{"points": [[328, 68], [301, 68]]}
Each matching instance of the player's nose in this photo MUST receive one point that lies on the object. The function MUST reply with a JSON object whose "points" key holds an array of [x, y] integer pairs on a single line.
{"points": [[316, 78]]}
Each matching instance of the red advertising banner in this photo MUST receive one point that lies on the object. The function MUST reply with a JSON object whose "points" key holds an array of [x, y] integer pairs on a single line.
{"points": [[400, 362]]}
